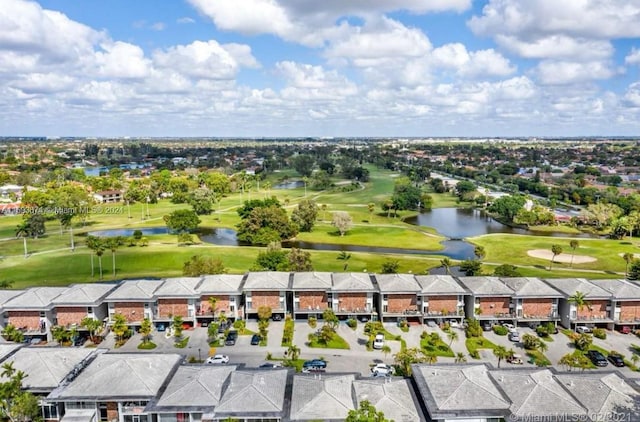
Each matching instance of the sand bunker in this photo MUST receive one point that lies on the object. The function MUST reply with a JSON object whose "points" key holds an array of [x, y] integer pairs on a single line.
{"points": [[563, 257]]}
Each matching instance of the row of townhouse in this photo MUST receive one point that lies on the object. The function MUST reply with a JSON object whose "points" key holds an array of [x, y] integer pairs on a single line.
{"points": [[86, 385], [387, 297]]}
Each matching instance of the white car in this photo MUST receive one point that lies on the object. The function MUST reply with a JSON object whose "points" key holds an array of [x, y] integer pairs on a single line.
{"points": [[583, 329], [514, 336], [381, 369], [379, 341], [217, 359], [510, 327]]}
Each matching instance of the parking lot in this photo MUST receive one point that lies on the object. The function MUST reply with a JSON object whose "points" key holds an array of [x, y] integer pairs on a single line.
{"points": [[357, 358]]}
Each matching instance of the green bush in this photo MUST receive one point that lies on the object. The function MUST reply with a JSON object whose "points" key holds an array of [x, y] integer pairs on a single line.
{"points": [[473, 328], [500, 330], [474, 354], [313, 322], [287, 334], [424, 335], [352, 322], [147, 346], [239, 324], [542, 331], [600, 333]]}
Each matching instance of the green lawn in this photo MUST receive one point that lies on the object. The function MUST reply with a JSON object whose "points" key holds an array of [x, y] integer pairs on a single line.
{"points": [[512, 249], [336, 342], [538, 358], [475, 343], [439, 348]]}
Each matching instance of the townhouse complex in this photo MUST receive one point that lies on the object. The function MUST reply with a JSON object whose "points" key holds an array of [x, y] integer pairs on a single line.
{"points": [[611, 304]]}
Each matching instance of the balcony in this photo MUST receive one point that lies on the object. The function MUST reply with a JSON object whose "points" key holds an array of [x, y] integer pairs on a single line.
{"points": [[441, 314], [406, 312], [317, 308], [593, 318], [628, 320], [341, 310], [531, 317]]}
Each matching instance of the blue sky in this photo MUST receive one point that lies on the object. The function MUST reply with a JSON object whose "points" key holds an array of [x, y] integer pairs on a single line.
{"points": [[332, 68]]}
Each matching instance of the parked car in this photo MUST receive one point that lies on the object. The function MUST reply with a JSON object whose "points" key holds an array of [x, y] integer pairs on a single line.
{"points": [[583, 329], [616, 360], [271, 365], [514, 336], [217, 359], [382, 369], [597, 358], [509, 327], [223, 326], [431, 323], [276, 317], [314, 363], [486, 326], [378, 342], [231, 338], [625, 329], [255, 340], [515, 360]]}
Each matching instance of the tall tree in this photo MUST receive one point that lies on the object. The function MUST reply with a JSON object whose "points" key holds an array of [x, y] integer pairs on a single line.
{"points": [[573, 244], [500, 352], [299, 260], [113, 243], [16, 405], [182, 221], [145, 330], [555, 250], [366, 412], [93, 326], [446, 263], [628, 259], [342, 221], [305, 215]]}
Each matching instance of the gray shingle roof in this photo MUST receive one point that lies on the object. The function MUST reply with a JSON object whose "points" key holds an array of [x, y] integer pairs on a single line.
{"points": [[220, 283], [440, 285], [536, 392], [6, 295], [103, 378], [392, 396], [199, 387], [355, 282], [179, 287], [486, 286], [134, 291], [85, 294], [400, 283], [47, 367], [569, 286], [254, 393], [603, 393], [35, 298], [311, 281], [620, 289], [327, 397], [530, 287], [267, 280], [451, 391]]}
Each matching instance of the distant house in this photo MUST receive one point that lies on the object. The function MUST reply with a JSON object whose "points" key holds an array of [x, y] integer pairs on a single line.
{"points": [[108, 196]]}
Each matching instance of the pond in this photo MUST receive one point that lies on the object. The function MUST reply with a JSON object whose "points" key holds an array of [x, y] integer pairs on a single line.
{"points": [[295, 184], [459, 223], [227, 237]]}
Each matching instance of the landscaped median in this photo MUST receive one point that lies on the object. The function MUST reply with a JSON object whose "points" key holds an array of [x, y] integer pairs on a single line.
{"points": [[433, 344]]}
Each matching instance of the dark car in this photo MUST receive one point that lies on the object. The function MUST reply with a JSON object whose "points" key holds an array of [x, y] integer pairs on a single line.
{"points": [[597, 358], [315, 363], [276, 317], [255, 340], [222, 327], [616, 360], [486, 326], [231, 338]]}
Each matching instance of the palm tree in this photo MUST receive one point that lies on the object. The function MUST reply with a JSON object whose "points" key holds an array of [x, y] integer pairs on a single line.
{"points": [[430, 358], [323, 207], [213, 301], [293, 352], [145, 329], [556, 250], [114, 243], [628, 258], [453, 336], [573, 244], [460, 358], [99, 253], [371, 207], [634, 359], [501, 353], [386, 350], [579, 300], [479, 252], [542, 346], [7, 370], [93, 243], [446, 263]]}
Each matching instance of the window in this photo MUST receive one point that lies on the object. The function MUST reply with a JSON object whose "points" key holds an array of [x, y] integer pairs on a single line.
{"points": [[136, 418], [49, 411], [89, 310], [42, 314], [232, 308]]}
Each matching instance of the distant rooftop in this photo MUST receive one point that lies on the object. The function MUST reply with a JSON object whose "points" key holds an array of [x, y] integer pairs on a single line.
{"points": [[397, 283], [486, 286], [311, 281], [530, 287], [358, 282], [179, 287], [325, 397], [569, 286], [620, 289], [440, 285], [86, 294], [38, 298], [134, 291], [267, 280]]}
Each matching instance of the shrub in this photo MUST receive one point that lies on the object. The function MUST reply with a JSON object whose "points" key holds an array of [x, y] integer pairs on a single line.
{"points": [[313, 322], [473, 328], [352, 322], [287, 334], [424, 335], [600, 333], [446, 327], [583, 341], [474, 354], [542, 331], [239, 324], [500, 330]]}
